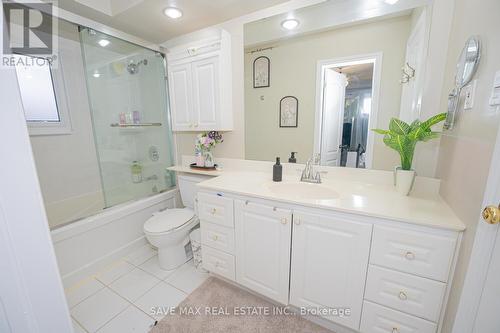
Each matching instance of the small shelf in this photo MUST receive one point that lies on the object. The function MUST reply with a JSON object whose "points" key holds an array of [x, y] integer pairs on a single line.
{"points": [[135, 125]]}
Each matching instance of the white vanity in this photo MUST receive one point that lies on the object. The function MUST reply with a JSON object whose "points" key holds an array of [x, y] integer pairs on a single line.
{"points": [[353, 245]]}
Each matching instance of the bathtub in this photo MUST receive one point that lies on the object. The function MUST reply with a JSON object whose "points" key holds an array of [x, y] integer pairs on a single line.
{"points": [[85, 246]]}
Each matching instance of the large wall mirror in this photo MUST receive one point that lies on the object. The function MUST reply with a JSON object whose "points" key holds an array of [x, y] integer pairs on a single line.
{"points": [[350, 68]]}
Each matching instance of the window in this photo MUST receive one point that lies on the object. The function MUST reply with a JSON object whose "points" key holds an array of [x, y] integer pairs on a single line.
{"points": [[42, 94]]}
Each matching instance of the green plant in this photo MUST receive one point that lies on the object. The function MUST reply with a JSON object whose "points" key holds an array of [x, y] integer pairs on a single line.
{"points": [[403, 137]]}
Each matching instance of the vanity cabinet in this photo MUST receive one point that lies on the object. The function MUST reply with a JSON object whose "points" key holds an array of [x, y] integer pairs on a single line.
{"points": [[263, 237], [329, 263], [200, 86]]}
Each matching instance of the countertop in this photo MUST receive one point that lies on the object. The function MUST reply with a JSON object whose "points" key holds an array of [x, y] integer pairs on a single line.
{"points": [[343, 194]]}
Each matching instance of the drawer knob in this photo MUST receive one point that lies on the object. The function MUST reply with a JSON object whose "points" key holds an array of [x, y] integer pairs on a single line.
{"points": [[215, 237], [214, 210], [395, 330], [410, 255], [284, 220], [403, 296]]}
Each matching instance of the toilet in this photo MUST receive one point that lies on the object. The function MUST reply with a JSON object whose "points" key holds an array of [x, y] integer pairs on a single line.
{"points": [[169, 230]]}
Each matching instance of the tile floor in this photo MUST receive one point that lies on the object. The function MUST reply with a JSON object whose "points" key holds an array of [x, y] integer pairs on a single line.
{"points": [[120, 298]]}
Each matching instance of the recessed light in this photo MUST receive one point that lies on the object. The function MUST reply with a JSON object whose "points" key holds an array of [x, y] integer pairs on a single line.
{"points": [[173, 12], [290, 24], [391, 2], [96, 74], [104, 42]]}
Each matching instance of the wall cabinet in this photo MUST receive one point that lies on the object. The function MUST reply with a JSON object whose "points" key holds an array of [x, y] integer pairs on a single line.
{"points": [[200, 86]]}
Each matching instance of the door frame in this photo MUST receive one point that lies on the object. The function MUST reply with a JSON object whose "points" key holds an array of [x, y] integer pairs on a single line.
{"points": [[321, 66], [482, 250]]}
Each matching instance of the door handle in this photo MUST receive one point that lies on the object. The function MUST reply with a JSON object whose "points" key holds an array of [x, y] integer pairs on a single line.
{"points": [[491, 214]]}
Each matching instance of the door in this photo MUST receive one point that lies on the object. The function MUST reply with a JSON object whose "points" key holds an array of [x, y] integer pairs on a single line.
{"points": [[206, 100], [263, 236], [479, 301], [329, 264], [180, 89], [333, 111]]}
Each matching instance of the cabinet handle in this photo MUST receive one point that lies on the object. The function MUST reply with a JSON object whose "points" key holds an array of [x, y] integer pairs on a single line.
{"points": [[403, 296], [395, 330], [214, 210], [247, 202], [410, 255], [284, 220], [215, 237]]}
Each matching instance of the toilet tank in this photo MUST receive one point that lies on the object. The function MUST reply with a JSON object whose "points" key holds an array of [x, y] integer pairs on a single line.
{"points": [[188, 188]]}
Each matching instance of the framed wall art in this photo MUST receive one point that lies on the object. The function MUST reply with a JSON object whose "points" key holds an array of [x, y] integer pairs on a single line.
{"points": [[289, 111], [261, 72]]}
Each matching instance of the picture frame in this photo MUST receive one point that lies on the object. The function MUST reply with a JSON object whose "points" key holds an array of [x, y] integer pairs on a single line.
{"points": [[289, 111], [261, 72]]}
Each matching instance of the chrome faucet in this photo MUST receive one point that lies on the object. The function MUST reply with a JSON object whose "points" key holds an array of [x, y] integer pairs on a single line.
{"points": [[309, 175]]}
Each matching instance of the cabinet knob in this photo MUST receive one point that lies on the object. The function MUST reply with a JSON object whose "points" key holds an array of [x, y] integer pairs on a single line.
{"points": [[284, 220], [214, 210], [410, 255], [215, 237], [402, 296]]}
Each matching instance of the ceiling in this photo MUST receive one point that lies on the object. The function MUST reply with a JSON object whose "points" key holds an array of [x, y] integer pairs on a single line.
{"points": [[145, 18]]}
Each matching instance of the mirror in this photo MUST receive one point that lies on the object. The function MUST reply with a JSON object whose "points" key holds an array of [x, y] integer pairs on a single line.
{"points": [[468, 62], [341, 72]]}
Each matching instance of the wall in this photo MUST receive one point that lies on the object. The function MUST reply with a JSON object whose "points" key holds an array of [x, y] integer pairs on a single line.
{"points": [[465, 151], [293, 72], [67, 164]]}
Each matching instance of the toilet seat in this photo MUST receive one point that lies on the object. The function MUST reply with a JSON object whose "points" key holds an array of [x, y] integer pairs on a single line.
{"points": [[168, 220]]}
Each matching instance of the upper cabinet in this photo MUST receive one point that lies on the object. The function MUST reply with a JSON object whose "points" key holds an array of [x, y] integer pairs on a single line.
{"points": [[200, 85]]}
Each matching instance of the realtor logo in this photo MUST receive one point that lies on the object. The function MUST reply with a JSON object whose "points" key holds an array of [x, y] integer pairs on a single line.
{"points": [[28, 28]]}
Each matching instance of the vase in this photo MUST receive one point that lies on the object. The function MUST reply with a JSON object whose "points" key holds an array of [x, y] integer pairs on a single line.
{"points": [[199, 159], [404, 180], [209, 159]]}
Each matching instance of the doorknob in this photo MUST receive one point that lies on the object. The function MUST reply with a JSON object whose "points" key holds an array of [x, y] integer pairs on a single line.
{"points": [[491, 214]]}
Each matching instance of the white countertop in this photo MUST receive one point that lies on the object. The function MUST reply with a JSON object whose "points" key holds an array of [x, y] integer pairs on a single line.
{"points": [[344, 194]]}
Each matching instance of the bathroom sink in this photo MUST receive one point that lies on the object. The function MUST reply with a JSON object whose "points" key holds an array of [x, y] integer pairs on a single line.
{"points": [[303, 191]]}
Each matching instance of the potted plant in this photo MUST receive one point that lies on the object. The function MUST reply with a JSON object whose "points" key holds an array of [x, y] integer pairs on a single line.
{"points": [[403, 138], [204, 144]]}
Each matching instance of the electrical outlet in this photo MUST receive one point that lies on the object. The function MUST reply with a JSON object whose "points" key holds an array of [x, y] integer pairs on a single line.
{"points": [[469, 91]]}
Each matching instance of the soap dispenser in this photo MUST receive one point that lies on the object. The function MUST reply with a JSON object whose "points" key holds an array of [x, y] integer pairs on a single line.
{"points": [[292, 158], [277, 171]]}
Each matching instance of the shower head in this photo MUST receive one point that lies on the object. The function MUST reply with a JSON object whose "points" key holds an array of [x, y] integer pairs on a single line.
{"points": [[133, 67]]}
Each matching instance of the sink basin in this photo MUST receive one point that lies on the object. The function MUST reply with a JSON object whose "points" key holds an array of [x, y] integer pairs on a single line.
{"points": [[306, 191]]}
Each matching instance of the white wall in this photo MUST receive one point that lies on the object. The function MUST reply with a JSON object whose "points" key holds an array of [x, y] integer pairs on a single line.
{"points": [[293, 72], [67, 164]]}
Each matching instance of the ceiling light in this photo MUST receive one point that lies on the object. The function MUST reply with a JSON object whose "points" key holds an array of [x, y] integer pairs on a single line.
{"points": [[391, 2], [104, 42], [290, 24], [96, 74], [173, 12]]}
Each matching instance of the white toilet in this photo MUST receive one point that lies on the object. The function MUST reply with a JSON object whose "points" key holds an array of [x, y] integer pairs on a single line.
{"points": [[168, 230]]}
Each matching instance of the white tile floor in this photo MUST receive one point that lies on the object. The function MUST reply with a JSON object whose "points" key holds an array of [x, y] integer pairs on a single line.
{"points": [[119, 299]]}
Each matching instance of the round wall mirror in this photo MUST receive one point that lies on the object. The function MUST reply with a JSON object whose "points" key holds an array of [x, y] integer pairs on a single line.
{"points": [[468, 62]]}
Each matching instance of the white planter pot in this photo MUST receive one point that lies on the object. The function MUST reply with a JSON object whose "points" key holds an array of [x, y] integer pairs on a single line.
{"points": [[404, 180]]}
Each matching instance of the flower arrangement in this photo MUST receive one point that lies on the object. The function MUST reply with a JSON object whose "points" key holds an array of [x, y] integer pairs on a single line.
{"points": [[204, 143]]}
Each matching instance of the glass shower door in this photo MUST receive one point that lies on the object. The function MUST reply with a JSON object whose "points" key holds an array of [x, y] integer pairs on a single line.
{"points": [[128, 101]]}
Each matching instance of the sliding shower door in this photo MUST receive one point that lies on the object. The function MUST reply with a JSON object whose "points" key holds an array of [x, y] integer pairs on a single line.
{"points": [[127, 93]]}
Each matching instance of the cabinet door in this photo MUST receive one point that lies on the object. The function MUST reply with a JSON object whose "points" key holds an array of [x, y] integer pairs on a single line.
{"points": [[263, 236], [206, 99], [180, 89], [329, 264]]}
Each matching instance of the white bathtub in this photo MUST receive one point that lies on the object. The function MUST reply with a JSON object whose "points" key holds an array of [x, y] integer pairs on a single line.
{"points": [[84, 246]]}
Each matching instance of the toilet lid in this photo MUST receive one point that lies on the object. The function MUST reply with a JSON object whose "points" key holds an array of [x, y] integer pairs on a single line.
{"points": [[168, 220]]}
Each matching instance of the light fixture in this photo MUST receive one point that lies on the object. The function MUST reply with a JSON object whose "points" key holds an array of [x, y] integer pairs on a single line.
{"points": [[290, 24], [96, 74], [391, 2], [103, 42], [172, 12]]}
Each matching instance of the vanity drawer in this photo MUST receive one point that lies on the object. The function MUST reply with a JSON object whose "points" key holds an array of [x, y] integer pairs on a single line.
{"points": [[379, 319], [217, 237], [408, 293], [423, 254], [218, 262], [215, 209]]}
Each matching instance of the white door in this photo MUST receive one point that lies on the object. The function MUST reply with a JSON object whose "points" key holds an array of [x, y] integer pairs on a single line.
{"points": [[206, 99], [180, 89], [263, 236], [479, 303], [333, 112], [329, 264]]}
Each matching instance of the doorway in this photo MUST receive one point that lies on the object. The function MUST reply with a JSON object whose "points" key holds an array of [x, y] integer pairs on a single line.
{"points": [[346, 108]]}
